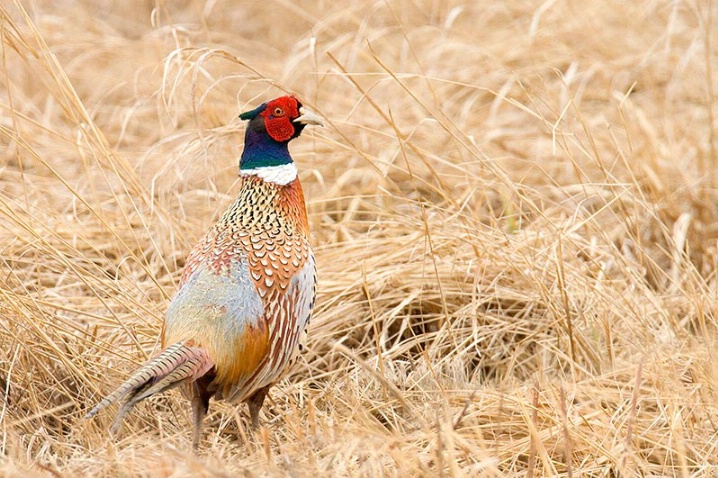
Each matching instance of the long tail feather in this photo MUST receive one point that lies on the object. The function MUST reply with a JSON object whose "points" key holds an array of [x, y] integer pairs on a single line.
{"points": [[175, 365]]}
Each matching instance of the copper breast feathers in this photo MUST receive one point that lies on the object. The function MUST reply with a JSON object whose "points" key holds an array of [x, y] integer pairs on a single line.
{"points": [[248, 288]]}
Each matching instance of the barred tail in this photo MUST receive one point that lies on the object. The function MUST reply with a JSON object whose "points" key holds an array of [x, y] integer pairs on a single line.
{"points": [[175, 365]]}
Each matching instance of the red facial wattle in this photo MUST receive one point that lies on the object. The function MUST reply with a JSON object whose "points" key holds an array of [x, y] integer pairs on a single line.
{"points": [[278, 117]]}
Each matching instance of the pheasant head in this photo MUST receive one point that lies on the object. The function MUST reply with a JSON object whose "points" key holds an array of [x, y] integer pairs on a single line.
{"points": [[271, 127]]}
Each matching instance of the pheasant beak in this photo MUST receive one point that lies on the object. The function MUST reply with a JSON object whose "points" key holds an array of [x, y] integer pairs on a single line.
{"points": [[308, 117]]}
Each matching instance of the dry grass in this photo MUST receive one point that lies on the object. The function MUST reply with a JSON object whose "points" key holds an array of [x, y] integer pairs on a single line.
{"points": [[513, 210]]}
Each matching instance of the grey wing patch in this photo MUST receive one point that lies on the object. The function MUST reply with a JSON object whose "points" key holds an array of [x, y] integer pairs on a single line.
{"points": [[226, 299]]}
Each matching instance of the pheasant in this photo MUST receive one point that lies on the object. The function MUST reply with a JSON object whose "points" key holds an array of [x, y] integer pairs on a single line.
{"points": [[247, 291]]}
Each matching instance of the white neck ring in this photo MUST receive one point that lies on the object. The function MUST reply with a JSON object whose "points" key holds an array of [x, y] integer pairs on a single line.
{"points": [[282, 174]]}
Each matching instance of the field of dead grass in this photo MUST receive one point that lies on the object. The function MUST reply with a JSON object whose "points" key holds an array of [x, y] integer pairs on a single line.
{"points": [[514, 209]]}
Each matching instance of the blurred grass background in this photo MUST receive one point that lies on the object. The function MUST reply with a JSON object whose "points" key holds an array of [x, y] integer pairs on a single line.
{"points": [[513, 208]]}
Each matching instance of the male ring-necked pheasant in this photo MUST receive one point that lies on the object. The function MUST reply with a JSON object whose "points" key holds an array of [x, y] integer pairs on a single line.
{"points": [[247, 291]]}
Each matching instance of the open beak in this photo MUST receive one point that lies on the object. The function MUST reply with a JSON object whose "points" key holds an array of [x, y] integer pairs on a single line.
{"points": [[308, 117]]}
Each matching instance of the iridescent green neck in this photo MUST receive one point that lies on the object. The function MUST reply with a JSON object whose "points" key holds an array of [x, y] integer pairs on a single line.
{"points": [[261, 151]]}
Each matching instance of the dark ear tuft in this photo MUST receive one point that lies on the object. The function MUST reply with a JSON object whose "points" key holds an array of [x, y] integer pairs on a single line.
{"points": [[250, 115]]}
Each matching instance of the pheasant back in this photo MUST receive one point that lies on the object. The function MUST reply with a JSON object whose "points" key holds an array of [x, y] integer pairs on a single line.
{"points": [[248, 288]]}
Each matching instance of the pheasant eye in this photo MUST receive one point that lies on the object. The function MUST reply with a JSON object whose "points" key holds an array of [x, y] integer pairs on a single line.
{"points": [[278, 111]]}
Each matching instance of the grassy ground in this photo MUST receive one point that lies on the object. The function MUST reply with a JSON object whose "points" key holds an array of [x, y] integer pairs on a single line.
{"points": [[513, 207]]}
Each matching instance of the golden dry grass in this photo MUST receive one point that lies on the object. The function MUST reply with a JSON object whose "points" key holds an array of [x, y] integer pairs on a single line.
{"points": [[513, 209]]}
